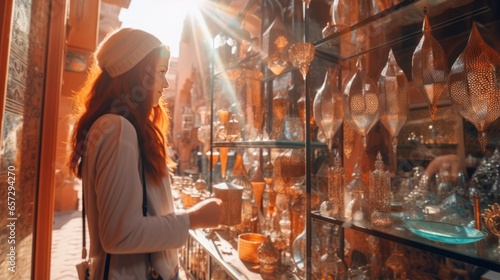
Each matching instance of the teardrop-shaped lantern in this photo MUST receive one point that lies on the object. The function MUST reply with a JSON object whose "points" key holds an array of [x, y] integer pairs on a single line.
{"points": [[345, 13], [361, 101], [393, 86], [429, 68], [275, 44], [475, 84], [301, 55], [327, 109]]}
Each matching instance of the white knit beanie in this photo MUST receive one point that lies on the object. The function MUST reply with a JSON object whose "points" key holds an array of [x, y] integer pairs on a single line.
{"points": [[123, 49]]}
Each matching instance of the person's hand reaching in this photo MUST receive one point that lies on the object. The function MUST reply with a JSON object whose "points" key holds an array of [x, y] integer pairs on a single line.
{"points": [[450, 163], [205, 214]]}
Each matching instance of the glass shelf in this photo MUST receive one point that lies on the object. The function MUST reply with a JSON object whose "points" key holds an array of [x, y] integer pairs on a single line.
{"points": [[480, 253], [223, 250], [268, 144], [429, 146], [229, 261], [400, 26]]}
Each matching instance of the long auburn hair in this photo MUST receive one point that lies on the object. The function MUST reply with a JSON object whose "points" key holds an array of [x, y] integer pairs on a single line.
{"points": [[129, 95]]}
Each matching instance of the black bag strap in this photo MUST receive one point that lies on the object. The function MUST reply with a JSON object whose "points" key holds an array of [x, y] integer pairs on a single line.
{"points": [[144, 213]]}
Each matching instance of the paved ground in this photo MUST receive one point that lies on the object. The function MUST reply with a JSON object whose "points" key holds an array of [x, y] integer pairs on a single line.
{"points": [[67, 245]]}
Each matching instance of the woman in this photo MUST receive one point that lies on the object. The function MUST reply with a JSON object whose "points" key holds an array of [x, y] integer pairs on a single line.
{"points": [[118, 137]]}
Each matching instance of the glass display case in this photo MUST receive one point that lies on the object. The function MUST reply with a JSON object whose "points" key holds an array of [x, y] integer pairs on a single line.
{"points": [[376, 157], [429, 45]]}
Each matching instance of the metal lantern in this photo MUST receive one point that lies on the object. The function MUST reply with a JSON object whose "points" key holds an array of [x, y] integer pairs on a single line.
{"points": [[275, 44], [361, 101], [429, 68], [394, 98], [301, 55], [475, 84]]}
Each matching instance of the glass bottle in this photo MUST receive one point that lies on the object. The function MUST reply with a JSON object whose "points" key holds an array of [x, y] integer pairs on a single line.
{"points": [[204, 129], [301, 108], [397, 264], [248, 207], [285, 226], [356, 203], [258, 186], [233, 129], [299, 251], [269, 199], [280, 106], [380, 194], [283, 242], [376, 264], [336, 181], [331, 266], [298, 209]]}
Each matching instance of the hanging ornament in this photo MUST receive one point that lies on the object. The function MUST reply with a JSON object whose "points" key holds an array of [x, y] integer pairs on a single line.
{"points": [[332, 26], [429, 69], [327, 109], [394, 98], [301, 55], [275, 43], [307, 2], [361, 101], [475, 84]]}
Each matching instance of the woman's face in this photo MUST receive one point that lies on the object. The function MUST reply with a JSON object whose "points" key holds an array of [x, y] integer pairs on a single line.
{"points": [[161, 82]]}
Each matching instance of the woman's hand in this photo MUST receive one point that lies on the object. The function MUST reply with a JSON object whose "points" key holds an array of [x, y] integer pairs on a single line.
{"points": [[205, 214], [451, 162]]}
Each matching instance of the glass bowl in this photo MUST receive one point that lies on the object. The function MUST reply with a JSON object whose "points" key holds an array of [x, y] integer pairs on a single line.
{"points": [[443, 232]]}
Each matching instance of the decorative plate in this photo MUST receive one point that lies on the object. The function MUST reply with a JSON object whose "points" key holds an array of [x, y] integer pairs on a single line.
{"points": [[443, 232]]}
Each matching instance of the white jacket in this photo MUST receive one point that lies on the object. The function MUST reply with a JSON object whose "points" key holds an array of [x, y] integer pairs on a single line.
{"points": [[112, 188]]}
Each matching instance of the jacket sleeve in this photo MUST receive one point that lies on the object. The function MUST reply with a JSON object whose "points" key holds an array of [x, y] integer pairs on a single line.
{"points": [[118, 187]]}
